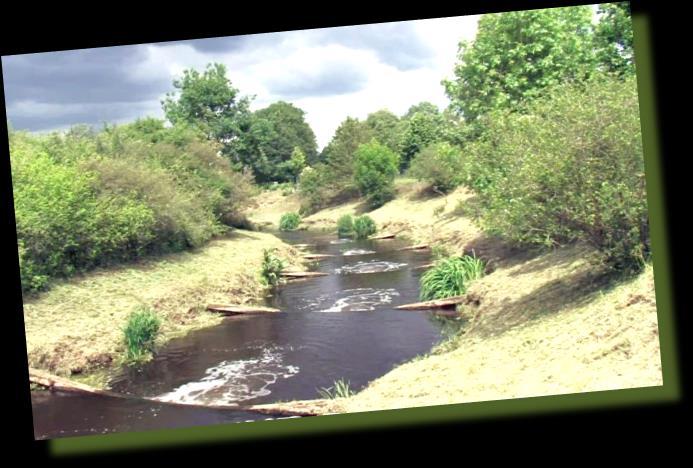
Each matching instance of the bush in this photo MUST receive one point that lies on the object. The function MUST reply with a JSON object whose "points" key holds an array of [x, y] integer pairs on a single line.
{"points": [[364, 227], [85, 199], [140, 333], [571, 169], [289, 221], [450, 277], [272, 267], [440, 165], [375, 169], [345, 226]]}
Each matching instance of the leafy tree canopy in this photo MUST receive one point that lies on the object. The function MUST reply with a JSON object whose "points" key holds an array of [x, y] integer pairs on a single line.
{"points": [[614, 38], [516, 55], [209, 101], [387, 128]]}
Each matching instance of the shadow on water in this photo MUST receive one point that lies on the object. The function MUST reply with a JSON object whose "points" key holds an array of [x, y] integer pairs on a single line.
{"points": [[339, 326]]}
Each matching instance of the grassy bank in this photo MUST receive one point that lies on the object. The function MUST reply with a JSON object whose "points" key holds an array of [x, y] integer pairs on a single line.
{"points": [[539, 323], [75, 328]]}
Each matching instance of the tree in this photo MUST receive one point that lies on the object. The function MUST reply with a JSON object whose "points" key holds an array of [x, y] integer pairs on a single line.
{"points": [[516, 55], [422, 129], [209, 101], [340, 153], [424, 107], [614, 38], [374, 172], [387, 128]]}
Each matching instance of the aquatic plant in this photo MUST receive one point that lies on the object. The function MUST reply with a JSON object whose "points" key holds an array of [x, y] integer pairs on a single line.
{"points": [[140, 332], [272, 266], [364, 227], [345, 226], [340, 389], [450, 277], [289, 221]]}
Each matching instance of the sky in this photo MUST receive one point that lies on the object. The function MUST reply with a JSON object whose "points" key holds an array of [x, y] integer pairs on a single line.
{"points": [[330, 73]]}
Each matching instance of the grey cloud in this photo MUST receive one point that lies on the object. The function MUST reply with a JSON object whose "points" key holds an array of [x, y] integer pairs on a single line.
{"points": [[96, 78], [396, 44], [331, 80]]}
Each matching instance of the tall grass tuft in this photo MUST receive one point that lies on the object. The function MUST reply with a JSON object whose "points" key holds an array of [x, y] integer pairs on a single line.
{"points": [[364, 227], [340, 389], [271, 267], [140, 332], [450, 277], [289, 221]]}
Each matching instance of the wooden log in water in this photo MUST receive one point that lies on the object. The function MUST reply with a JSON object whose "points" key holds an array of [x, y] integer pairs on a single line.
{"points": [[56, 383], [231, 309], [435, 304], [61, 384], [316, 256], [301, 274], [415, 247], [383, 236]]}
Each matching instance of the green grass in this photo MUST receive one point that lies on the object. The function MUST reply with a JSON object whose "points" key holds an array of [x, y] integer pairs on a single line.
{"points": [[340, 389], [289, 221], [140, 332], [450, 277]]}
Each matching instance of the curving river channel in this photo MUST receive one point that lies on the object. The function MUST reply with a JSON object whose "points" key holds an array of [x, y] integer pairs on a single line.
{"points": [[340, 326]]}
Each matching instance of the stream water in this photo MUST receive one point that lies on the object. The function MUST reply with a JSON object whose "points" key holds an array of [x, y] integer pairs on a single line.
{"points": [[340, 326]]}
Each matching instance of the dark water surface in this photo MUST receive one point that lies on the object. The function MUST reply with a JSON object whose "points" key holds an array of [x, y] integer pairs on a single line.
{"points": [[341, 326]]}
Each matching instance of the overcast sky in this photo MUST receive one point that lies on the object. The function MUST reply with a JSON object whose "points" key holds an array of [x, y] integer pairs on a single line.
{"points": [[329, 73]]}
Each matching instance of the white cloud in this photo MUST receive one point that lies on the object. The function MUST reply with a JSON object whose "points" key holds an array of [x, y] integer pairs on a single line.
{"points": [[329, 73]]}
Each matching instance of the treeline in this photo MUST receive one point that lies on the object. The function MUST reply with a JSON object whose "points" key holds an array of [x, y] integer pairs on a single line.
{"points": [[85, 199]]}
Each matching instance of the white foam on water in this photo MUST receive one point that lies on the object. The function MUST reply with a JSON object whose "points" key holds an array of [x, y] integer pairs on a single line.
{"points": [[357, 252], [374, 266], [234, 381], [362, 299], [341, 241]]}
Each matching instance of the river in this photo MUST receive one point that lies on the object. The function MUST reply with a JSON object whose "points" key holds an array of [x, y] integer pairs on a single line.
{"points": [[340, 326]]}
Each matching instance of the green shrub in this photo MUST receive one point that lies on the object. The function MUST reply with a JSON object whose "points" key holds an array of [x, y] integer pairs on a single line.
{"points": [[85, 199], [570, 169], [439, 165], [364, 227], [272, 267], [289, 221], [375, 169], [140, 333], [450, 277], [340, 389], [345, 226]]}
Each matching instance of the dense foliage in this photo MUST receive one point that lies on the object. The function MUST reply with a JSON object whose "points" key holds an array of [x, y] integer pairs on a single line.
{"points": [[569, 169], [517, 55], [440, 165], [87, 199]]}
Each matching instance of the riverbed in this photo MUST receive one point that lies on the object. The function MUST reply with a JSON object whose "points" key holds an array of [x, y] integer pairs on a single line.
{"points": [[342, 326]]}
